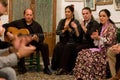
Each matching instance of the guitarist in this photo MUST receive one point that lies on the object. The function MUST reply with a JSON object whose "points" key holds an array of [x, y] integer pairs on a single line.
{"points": [[34, 28]]}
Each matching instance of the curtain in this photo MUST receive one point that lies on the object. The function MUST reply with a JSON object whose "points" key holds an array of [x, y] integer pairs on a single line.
{"points": [[44, 14], [18, 7]]}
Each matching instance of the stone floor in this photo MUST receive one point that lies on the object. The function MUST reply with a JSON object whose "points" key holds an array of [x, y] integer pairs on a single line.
{"points": [[42, 76], [33, 75]]}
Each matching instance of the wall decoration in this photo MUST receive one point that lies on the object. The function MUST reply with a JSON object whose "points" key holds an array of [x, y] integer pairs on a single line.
{"points": [[104, 2], [90, 4], [117, 4], [73, 0]]}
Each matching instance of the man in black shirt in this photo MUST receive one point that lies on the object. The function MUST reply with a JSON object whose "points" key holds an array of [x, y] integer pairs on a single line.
{"points": [[34, 28]]}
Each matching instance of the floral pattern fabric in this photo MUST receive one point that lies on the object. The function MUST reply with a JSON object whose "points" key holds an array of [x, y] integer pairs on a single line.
{"points": [[92, 65]]}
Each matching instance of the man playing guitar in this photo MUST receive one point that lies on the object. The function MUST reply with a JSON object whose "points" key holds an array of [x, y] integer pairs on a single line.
{"points": [[34, 28]]}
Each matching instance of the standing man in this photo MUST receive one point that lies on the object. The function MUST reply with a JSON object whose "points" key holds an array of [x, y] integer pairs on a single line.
{"points": [[34, 28]]}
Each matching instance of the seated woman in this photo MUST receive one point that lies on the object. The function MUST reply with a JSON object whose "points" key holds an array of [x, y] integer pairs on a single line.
{"points": [[91, 63], [69, 31]]}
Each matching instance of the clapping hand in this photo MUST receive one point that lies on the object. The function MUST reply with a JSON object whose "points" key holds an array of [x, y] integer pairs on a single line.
{"points": [[21, 45], [73, 25], [95, 35], [115, 49], [36, 38]]}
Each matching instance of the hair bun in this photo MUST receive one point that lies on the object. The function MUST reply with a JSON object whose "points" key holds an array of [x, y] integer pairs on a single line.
{"points": [[72, 5]]}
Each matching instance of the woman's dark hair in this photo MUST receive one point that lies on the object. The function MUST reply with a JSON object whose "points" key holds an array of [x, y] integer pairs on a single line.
{"points": [[87, 8], [71, 7], [107, 13]]}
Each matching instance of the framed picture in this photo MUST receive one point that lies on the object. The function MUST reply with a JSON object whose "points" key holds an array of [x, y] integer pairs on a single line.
{"points": [[104, 2], [73, 0], [90, 4], [117, 4]]}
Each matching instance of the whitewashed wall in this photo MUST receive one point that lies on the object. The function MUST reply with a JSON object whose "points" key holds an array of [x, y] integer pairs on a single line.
{"points": [[4, 20], [61, 4]]}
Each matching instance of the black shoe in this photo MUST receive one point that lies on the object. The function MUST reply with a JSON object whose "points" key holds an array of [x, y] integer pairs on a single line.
{"points": [[61, 72], [47, 71], [54, 68]]}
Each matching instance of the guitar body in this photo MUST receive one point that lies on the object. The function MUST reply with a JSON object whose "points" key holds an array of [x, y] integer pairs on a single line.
{"points": [[16, 31]]}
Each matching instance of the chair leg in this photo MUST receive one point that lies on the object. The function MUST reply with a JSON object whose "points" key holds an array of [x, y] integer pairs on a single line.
{"points": [[34, 61], [38, 60], [31, 59]]}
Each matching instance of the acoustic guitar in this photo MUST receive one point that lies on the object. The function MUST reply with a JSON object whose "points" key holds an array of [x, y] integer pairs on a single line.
{"points": [[19, 32], [16, 31], [24, 32]]}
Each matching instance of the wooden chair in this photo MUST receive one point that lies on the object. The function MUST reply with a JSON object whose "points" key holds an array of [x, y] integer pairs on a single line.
{"points": [[33, 61]]}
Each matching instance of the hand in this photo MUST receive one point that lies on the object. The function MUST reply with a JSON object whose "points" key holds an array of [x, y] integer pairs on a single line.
{"points": [[95, 35], [10, 36], [83, 26], [115, 49], [22, 47], [69, 29], [74, 25], [115, 46], [2, 79], [36, 38], [66, 27], [25, 51]]}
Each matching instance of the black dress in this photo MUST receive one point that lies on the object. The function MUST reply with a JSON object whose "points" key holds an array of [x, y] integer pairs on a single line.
{"points": [[63, 54]]}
